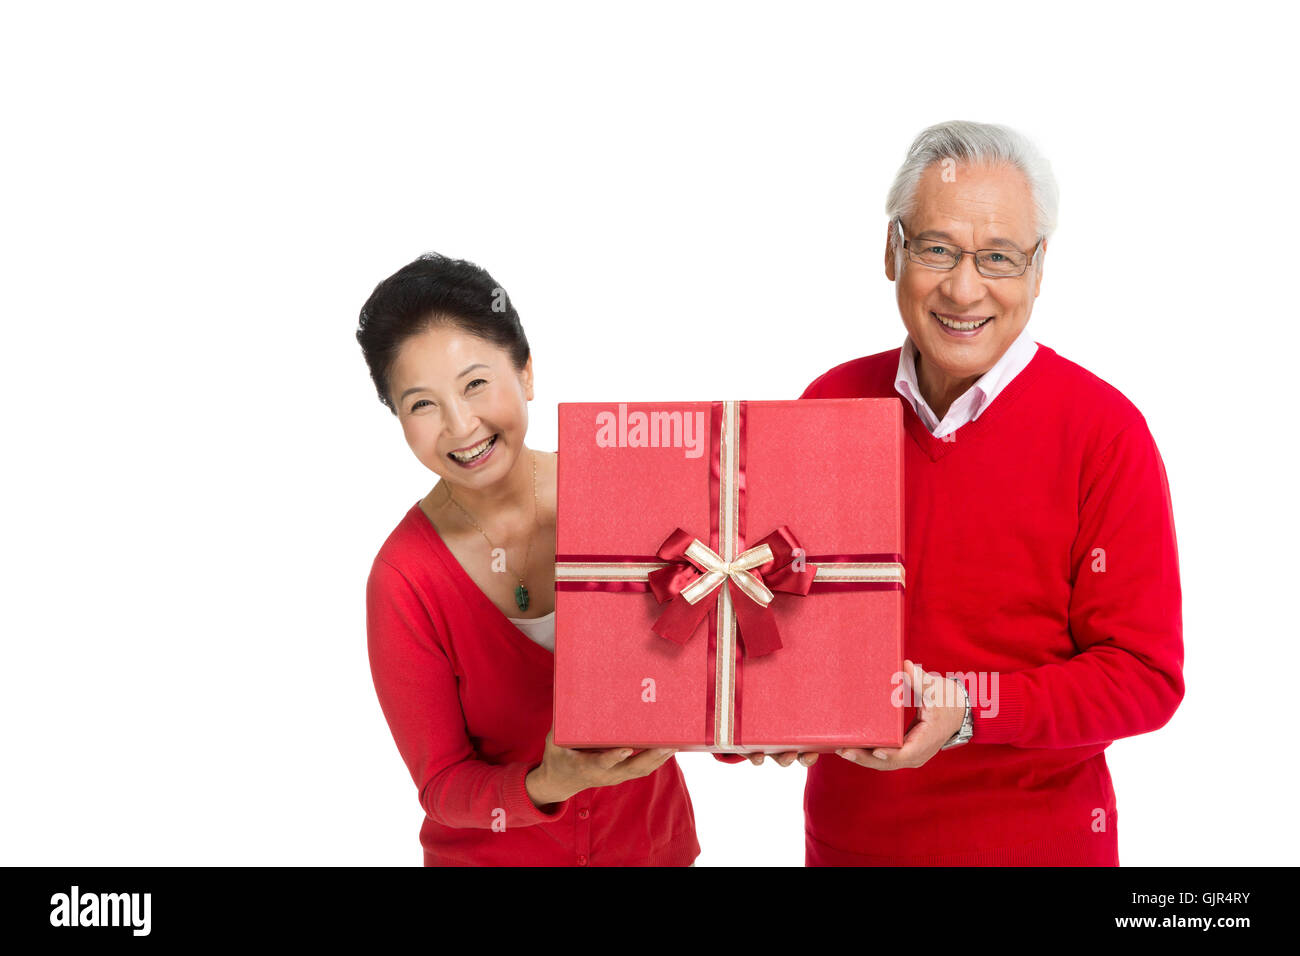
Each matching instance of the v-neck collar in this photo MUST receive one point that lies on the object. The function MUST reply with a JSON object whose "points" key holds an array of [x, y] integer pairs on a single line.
{"points": [[937, 448], [467, 585]]}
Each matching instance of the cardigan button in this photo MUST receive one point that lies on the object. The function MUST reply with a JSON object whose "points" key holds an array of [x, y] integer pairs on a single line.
{"points": [[582, 860], [584, 813]]}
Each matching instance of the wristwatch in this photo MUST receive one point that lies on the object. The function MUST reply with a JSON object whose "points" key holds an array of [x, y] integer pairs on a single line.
{"points": [[967, 727]]}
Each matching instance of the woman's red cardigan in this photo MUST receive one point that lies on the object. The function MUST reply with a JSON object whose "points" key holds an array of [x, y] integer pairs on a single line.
{"points": [[469, 701]]}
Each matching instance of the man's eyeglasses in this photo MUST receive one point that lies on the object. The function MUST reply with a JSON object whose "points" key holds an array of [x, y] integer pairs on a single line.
{"points": [[994, 263]]}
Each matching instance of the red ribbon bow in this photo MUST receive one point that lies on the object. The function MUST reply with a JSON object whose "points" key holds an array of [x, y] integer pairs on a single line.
{"points": [[691, 586]]}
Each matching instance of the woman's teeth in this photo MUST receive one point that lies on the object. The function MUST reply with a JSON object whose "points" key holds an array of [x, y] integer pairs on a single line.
{"points": [[471, 453], [960, 326]]}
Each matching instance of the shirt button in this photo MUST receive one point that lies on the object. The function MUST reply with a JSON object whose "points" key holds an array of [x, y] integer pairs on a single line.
{"points": [[584, 813], [582, 860]]}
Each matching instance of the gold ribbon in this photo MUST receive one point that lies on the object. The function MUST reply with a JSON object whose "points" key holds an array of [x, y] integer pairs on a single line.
{"points": [[717, 570]]}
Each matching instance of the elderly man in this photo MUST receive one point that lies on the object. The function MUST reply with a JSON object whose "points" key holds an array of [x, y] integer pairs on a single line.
{"points": [[1043, 605]]}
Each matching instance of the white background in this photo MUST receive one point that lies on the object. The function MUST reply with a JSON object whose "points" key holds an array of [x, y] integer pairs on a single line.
{"points": [[197, 200]]}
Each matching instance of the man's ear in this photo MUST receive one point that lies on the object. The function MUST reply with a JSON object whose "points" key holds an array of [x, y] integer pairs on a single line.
{"points": [[526, 376], [1038, 278], [889, 251]]}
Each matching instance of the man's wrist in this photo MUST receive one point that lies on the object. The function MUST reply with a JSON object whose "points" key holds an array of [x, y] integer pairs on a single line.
{"points": [[967, 728]]}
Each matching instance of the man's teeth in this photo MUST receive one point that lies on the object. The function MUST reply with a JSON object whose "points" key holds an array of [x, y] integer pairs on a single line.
{"points": [[960, 326], [472, 453]]}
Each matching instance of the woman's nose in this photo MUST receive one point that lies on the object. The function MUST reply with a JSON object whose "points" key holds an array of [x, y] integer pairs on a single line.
{"points": [[460, 420]]}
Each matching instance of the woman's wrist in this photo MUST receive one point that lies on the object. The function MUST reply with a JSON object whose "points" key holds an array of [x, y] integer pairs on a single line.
{"points": [[540, 789]]}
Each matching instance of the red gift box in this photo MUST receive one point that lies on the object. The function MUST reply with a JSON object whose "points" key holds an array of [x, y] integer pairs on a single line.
{"points": [[729, 575]]}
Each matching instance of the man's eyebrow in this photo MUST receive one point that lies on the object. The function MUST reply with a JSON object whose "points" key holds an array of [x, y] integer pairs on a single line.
{"points": [[425, 388], [997, 242]]}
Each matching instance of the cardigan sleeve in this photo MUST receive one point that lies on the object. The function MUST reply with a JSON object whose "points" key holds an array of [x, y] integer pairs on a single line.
{"points": [[418, 693], [1125, 616]]}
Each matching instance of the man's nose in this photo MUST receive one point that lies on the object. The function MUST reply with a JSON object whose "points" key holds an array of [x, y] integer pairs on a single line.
{"points": [[964, 285]]}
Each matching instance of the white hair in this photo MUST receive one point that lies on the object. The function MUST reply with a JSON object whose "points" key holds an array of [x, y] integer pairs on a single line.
{"points": [[979, 143]]}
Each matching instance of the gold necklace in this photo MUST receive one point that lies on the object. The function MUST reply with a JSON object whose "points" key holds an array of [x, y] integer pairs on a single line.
{"points": [[521, 592]]}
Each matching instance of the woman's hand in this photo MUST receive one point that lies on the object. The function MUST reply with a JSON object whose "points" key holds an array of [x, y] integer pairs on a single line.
{"points": [[564, 772]]}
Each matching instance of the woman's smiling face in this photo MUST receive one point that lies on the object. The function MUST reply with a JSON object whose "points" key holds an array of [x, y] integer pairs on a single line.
{"points": [[462, 404]]}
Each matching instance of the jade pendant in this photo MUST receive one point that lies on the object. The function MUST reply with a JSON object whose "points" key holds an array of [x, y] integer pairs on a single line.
{"points": [[521, 597]]}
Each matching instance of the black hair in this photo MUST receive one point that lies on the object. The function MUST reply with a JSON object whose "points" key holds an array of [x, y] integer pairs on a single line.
{"points": [[431, 291]]}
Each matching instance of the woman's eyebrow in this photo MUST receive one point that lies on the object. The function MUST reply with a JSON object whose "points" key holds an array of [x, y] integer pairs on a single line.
{"points": [[425, 388]]}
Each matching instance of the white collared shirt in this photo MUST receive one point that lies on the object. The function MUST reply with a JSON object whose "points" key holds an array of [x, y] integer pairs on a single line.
{"points": [[972, 402]]}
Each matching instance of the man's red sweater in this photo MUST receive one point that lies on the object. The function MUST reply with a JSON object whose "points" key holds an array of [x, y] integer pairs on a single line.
{"points": [[1039, 546], [468, 699]]}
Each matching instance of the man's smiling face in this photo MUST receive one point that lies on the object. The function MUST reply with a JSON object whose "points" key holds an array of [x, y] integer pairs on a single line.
{"points": [[984, 207]]}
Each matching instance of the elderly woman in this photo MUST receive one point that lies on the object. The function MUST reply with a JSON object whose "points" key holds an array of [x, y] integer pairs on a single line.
{"points": [[1042, 596], [460, 602]]}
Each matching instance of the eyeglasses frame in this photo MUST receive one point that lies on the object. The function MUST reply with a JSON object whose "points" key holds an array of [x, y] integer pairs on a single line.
{"points": [[1029, 261]]}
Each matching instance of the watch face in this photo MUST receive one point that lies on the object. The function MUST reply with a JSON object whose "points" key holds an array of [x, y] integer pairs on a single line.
{"points": [[965, 732]]}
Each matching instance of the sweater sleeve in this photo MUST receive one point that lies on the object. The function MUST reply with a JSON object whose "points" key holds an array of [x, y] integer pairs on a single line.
{"points": [[417, 689], [814, 387], [1125, 616]]}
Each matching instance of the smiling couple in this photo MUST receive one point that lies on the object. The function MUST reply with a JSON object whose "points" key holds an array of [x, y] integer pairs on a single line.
{"points": [[1039, 540]]}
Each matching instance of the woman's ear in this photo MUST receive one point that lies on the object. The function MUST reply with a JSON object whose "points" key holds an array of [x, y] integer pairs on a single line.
{"points": [[526, 377], [1038, 279]]}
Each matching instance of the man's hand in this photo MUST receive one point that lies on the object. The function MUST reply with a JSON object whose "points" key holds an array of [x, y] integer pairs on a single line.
{"points": [[942, 709], [807, 758]]}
